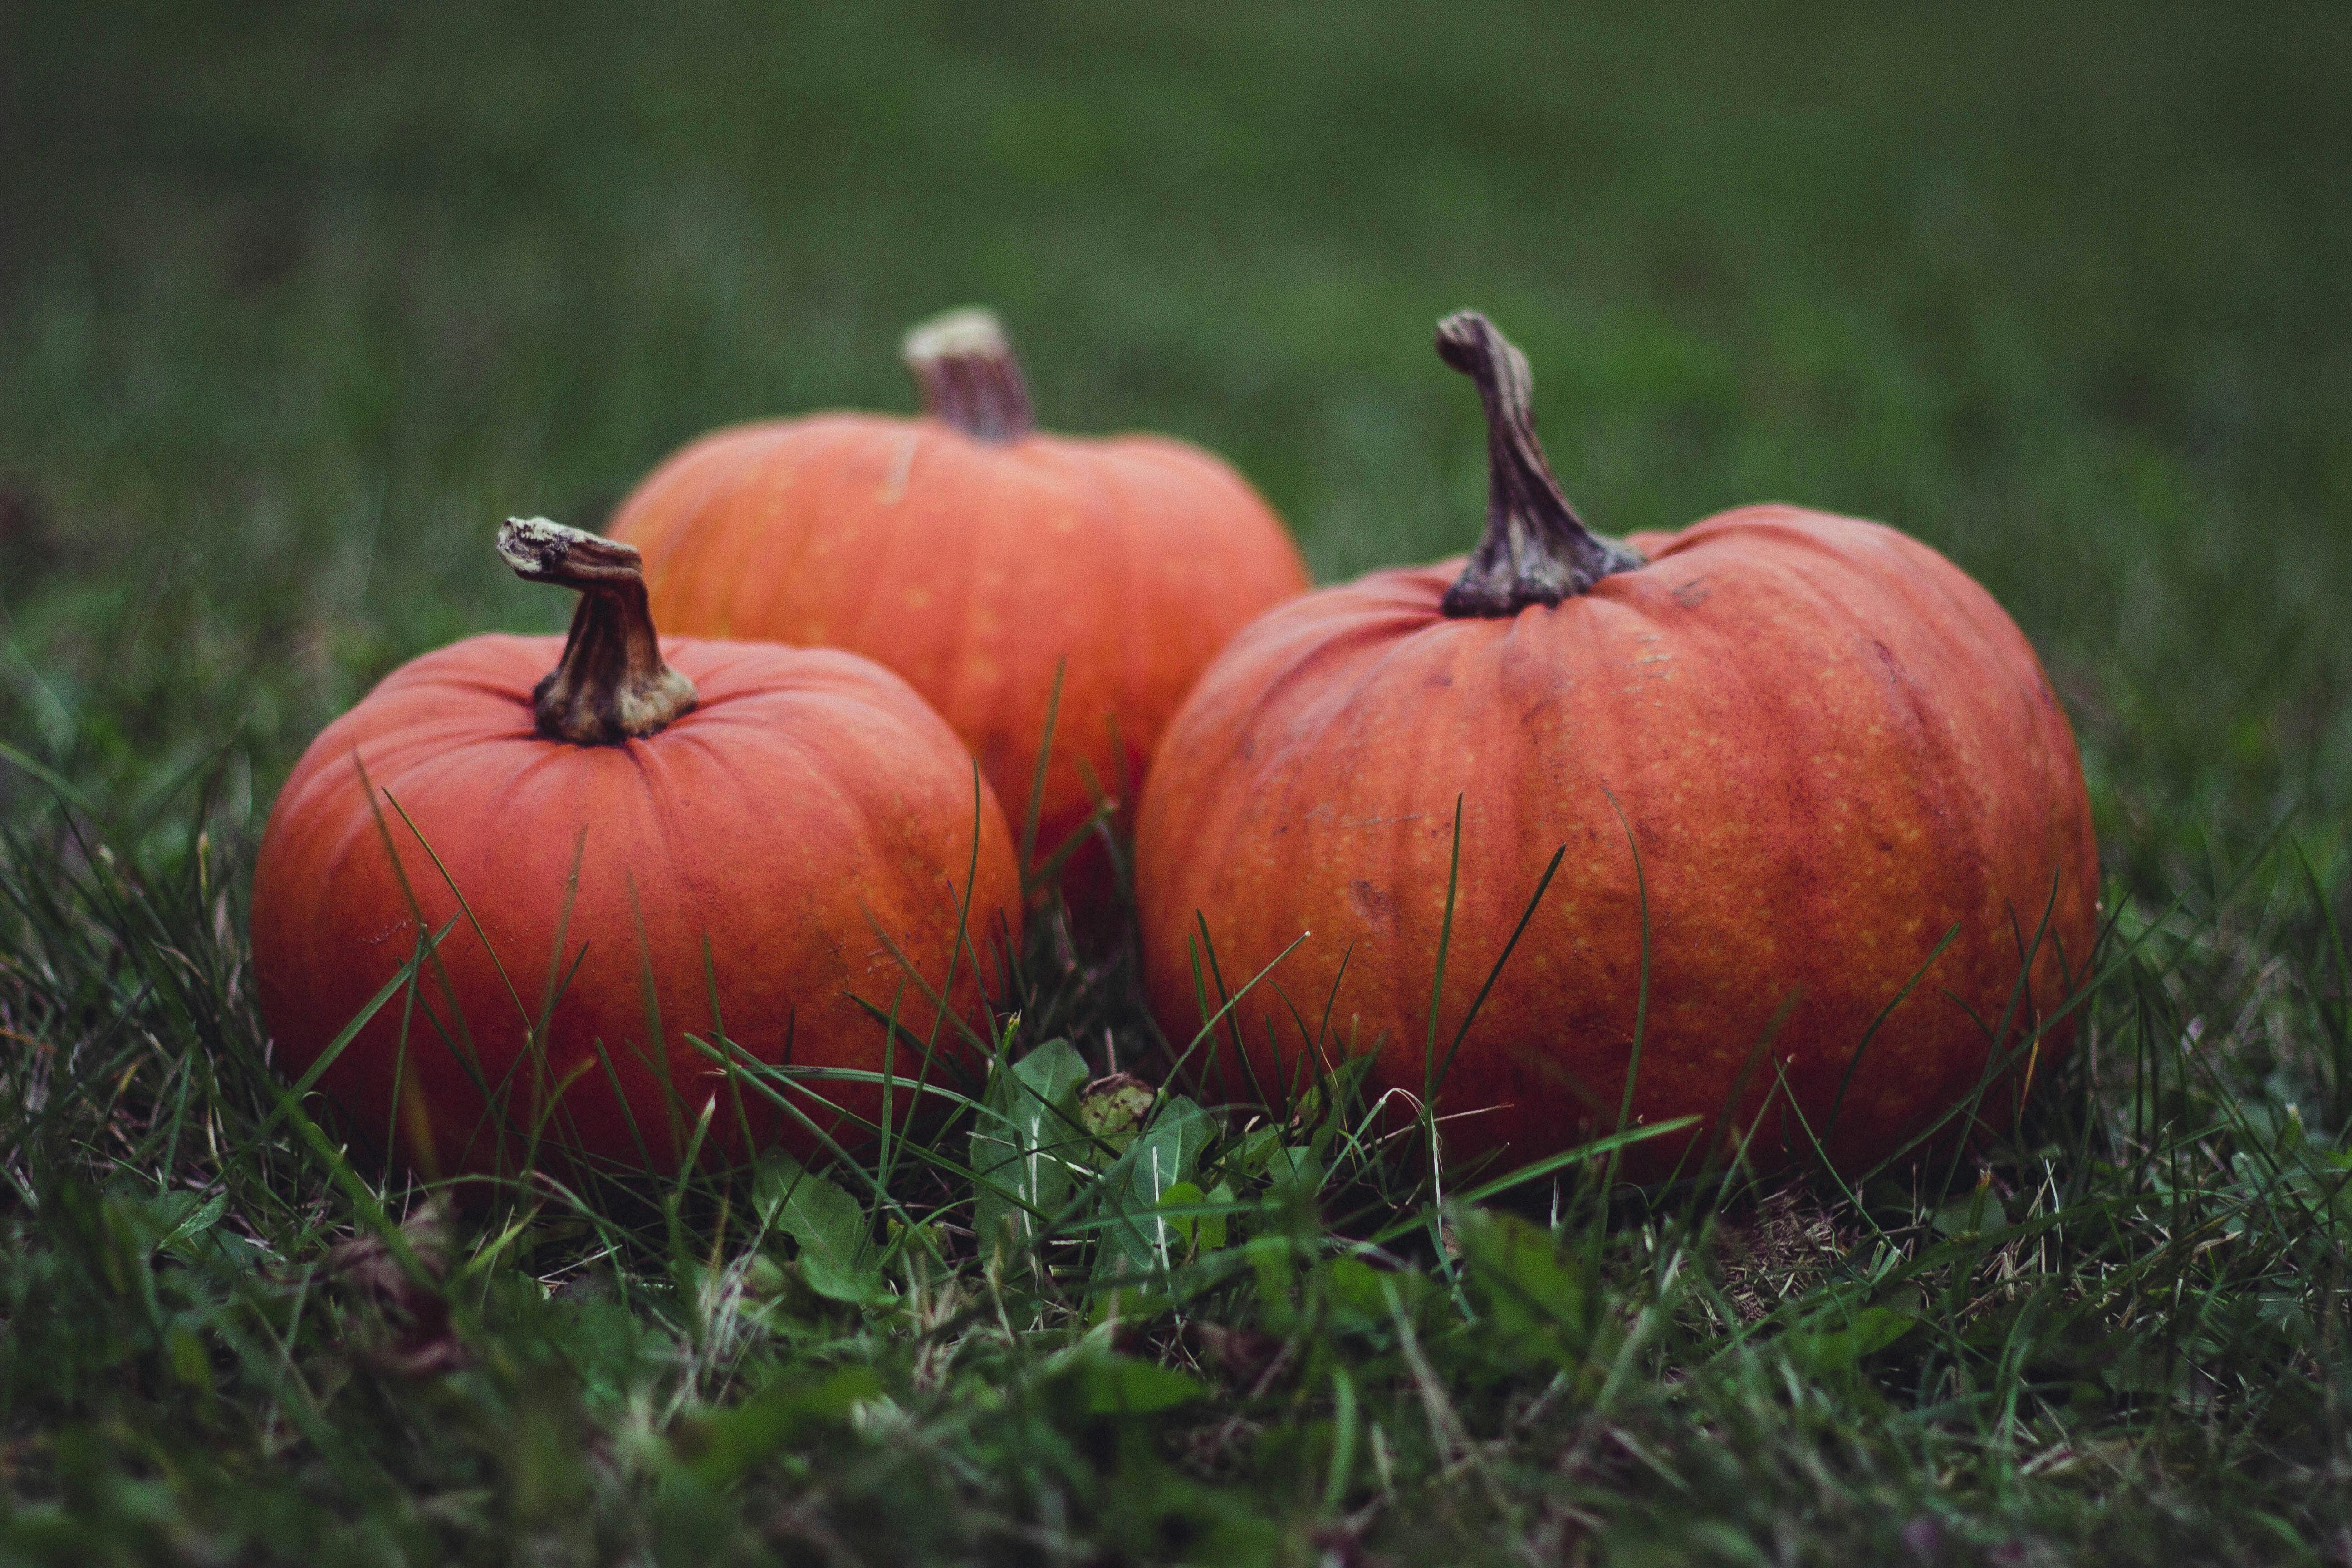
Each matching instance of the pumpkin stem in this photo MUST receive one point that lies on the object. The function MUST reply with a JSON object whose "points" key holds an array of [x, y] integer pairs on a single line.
{"points": [[965, 366], [1537, 551], [611, 684]]}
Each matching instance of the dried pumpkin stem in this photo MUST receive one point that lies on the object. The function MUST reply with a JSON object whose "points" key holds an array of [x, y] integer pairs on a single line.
{"points": [[1537, 551], [611, 684], [965, 366]]}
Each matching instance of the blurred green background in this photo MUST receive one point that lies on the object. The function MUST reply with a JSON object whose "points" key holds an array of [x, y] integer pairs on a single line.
{"points": [[296, 302]]}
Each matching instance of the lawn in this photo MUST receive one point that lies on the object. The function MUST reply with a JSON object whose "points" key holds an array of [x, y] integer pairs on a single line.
{"points": [[295, 305]]}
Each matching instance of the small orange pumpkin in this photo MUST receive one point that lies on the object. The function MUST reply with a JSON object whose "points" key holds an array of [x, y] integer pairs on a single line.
{"points": [[653, 839], [976, 556], [1831, 747]]}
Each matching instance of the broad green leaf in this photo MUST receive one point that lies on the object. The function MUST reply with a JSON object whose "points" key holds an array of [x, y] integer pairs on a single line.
{"points": [[194, 1222], [1275, 1260], [1210, 1227], [1297, 1173], [1141, 1240], [837, 1245], [1112, 1110], [1358, 1295], [718, 1449], [1973, 1212], [1121, 1386], [1179, 1206], [1183, 1196], [1023, 1144], [1256, 1150], [1534, 1296], [1170, 1151], [190, 1362], [1833, 1342]]}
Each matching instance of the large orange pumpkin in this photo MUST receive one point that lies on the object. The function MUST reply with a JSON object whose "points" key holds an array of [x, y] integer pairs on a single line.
{"points": [[652, 840], [976, 557], [1830, 747]]}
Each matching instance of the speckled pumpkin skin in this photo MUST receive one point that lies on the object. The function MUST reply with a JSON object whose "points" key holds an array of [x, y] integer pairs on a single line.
{"points": [[1830, 745], [976, 569], [753, 855]]}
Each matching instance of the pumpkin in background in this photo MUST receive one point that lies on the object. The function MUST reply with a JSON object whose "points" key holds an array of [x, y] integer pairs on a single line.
{"points": [[1831, 747], [745, 831], [975, 556]]}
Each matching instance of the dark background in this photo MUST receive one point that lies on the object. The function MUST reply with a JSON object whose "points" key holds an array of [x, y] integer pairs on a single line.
{"points": [[297, 302]]}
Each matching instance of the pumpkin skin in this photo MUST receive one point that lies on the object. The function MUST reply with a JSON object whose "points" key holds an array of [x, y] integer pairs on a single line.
{"points": [[804, 792], [1830, 745], [975, 566]]}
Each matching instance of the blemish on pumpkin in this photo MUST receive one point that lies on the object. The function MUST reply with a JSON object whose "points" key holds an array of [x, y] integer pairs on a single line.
{"points": [[388, 932], [1375, 821], [902, 464], [1378, 908]]}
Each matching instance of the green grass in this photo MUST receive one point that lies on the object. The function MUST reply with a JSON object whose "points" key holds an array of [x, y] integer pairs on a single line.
{"points": [[295, 306]]}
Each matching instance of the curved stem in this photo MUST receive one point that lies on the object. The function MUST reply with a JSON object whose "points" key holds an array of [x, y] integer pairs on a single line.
{"points": [[970, 378], [611, 684], [1537, 551]]}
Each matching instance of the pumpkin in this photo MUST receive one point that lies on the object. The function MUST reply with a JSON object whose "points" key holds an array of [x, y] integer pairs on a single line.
{"points": [[653, 839], [984, 561], [1824, 850]]}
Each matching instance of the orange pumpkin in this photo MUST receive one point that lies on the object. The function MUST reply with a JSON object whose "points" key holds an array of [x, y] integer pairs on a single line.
{"points": [[1830, 747], [976, 557], [652, 839]]}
